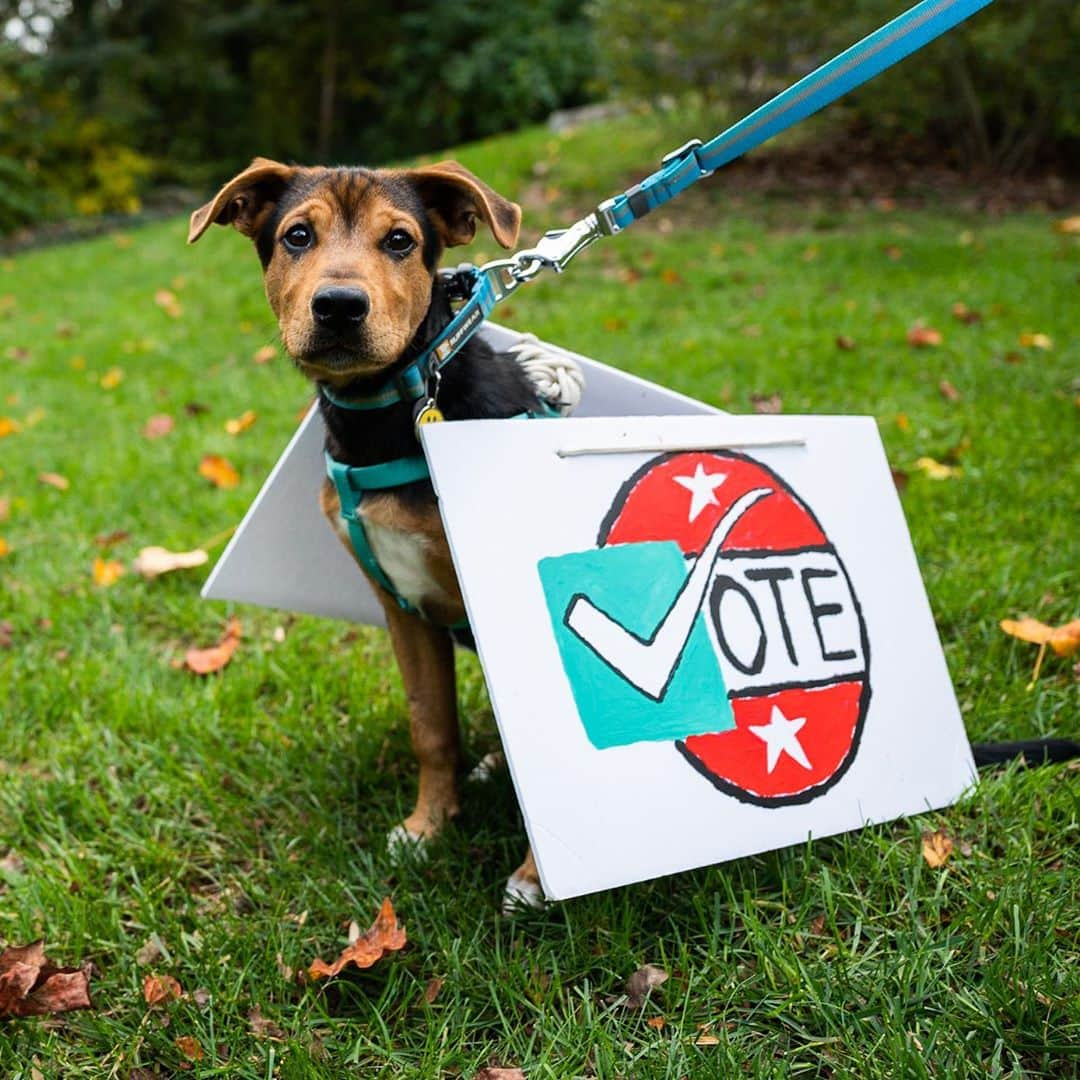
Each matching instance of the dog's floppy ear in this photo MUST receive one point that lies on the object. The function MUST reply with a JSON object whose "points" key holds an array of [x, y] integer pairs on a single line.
{"points": [[455, 198], [244, 200]]}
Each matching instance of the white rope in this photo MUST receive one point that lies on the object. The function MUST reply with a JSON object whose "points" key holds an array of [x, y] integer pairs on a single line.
{"points": [[558, 379]]}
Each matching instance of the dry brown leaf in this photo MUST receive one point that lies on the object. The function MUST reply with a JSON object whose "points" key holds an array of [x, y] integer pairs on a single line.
{"points": [[936, 848], [1036, 341], [431, 991], [641, 982], [160, 989], [150, 951], [670, 277], [844, 342], [767, 403], [385, 935], [6, 630], [8, 426], [923, 337], [900, 479], [264, 355], [190, 1047], [242, 422], [107, 540], [152, 561], [207, 661], [1069, 226], [61, 483], [893, 251], [706, 1040], [158, 426], [948, 391], [107, 572], [497, 1073], [968, 316], [219, 471], [31, 986], [935, 469], [111, 379], [1064, 640], [261, 1027], [656, 1022], [168, 303]]}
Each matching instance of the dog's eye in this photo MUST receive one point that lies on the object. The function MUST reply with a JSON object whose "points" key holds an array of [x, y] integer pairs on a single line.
{"points": [[399, 242], [299, 237]]}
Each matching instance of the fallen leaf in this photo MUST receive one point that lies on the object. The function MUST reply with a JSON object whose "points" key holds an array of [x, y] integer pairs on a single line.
{"points": [[903, 422], [241, 423], [158, 426], [641, 982], [893, 252], [195, 408], [5, 507], [385, 935], [159, 989], [1064, 640], [900, 479], [31, 986], [656, 1022], [8, 426], [190, 1047], [935, 469], [1036, 341], [262, 1028], [670, 277], [168, 303], [936, 848], [111, 379], [948, 391], [150, 951], [208, 661], [431, 991], [107, 572], [923, 337], [497, 1073], [1069, 226], [968, 316], [767, 403], [219, 471], [152, 561], [107, 540], [844, 342], [6, 630], [264, 355], [5, 547], [61, 483], [706, 1040]]}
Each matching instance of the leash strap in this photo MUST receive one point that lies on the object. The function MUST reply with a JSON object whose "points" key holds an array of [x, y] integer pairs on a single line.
{"points": [[482, 288]]}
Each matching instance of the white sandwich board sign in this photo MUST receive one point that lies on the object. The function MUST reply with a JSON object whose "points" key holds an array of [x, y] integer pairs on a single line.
{"points": [[703, 635]]}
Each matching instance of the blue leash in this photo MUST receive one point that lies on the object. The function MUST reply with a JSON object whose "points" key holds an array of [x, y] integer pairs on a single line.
{"points": [[481, 288]]}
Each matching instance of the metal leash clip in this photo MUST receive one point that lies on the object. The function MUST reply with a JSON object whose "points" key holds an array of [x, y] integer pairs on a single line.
{"points": [[555, 249]]}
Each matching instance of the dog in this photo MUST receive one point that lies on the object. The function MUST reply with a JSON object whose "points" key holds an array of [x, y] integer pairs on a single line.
{"points": [[350, 259]]}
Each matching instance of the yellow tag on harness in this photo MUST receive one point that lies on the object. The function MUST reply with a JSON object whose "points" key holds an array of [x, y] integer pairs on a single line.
{"points": [[428, 413]]}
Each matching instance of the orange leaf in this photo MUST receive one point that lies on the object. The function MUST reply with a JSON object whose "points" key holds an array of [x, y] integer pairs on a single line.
{"points": [[107, 572], [923, 337], [31, 986], [385, 935], [936, 848], [219, 471], [8, 426], [190, 1047], [1036, 341], [168, 303], [264, 355], [158, 426], [152, 561], [61, 483], [962, 313], [903, 422], [207, 661], [656, 1022], [241, 423], [159, 989], [1069, 226], [5, 547], [1064, 640]]}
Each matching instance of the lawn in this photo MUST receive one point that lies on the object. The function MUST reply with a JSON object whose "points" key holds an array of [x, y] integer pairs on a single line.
{"points": [[236, 822]]}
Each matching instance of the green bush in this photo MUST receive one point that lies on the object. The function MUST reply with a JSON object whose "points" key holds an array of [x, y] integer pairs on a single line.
{"points": [[999, 92]]}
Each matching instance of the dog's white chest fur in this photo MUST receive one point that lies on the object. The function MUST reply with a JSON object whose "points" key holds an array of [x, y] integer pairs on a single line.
{"points": [[402, 556]]}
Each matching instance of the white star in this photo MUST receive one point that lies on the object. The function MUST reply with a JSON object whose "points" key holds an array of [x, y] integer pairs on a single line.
{"points": [[702, 486], [780, 736]]}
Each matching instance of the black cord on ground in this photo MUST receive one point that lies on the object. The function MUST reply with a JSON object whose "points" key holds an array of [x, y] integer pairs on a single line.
{"points": [[1031, 752]]}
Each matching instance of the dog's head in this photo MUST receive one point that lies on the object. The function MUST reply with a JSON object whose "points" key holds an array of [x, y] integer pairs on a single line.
{"points": [[349, 255]]}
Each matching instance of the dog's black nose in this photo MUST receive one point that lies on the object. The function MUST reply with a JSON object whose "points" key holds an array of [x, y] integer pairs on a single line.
{"points": [[340, 308]]}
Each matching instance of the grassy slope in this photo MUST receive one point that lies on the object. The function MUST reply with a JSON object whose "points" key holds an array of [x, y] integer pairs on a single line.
{"points": [[213, 812]]}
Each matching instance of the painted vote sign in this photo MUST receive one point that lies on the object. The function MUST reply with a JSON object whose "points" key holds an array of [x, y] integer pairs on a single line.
{"points": [[703, 636]]}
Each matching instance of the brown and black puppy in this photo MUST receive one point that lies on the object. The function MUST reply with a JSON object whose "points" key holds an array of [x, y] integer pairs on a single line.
{"points": [[349, 261]]}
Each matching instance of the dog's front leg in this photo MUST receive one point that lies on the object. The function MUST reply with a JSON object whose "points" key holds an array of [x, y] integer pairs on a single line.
{"points": [[425, 655]]}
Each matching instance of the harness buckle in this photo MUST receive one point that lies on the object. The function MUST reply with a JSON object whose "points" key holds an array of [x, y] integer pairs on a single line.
{"points": [[680, 153]]}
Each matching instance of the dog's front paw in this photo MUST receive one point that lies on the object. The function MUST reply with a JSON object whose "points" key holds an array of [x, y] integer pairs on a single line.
{"points": [[402, 843], [522, 892]]}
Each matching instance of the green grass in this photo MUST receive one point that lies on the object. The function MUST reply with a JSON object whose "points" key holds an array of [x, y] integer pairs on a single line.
{"points": [[240, 818]]}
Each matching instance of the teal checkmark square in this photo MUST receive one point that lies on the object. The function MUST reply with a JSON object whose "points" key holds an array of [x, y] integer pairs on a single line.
{"points": [[635, 584]]}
